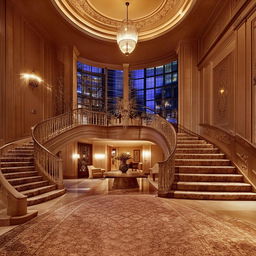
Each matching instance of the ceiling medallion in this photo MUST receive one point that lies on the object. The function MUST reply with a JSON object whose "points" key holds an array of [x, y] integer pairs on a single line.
{"points": [[150, 17]]}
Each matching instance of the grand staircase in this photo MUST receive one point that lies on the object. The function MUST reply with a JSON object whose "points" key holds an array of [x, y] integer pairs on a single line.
{"points": [[17, 165], [203, 172]]}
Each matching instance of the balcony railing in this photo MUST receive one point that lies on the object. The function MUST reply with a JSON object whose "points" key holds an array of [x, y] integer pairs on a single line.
{"points": [[51, 165]]}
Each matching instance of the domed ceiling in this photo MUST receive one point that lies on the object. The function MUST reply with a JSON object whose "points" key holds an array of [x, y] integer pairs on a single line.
{"points": [[101, 18]]}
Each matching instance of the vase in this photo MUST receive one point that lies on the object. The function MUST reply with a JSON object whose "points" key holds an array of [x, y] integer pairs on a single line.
{"points": [[123, 167]]}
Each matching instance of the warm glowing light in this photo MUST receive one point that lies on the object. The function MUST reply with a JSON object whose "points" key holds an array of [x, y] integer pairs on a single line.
{"points": [[127, 35], [27, 76], [222, 91], [146, 153], [99, 156], [75, 156]]}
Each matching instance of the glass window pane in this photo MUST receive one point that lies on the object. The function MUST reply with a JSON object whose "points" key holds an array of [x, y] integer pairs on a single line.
{"points": [[158, 93], [150, 104], [175, 77], [159, 81], [168, 79], [138, 84], [150, 82], [150, 72], [139, 73], [168, 68], [174, 66], [150, 94], [159, 70]]}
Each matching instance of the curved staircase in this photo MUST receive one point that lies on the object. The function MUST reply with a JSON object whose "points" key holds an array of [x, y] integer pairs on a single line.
{"points": [[203, 172], [17, 166]]}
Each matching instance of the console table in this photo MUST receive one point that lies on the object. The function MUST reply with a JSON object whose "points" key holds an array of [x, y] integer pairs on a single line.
{"points": [[124, 180]]}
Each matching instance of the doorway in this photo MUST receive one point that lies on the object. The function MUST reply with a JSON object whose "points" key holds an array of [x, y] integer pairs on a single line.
{"points": [[85, 152]]}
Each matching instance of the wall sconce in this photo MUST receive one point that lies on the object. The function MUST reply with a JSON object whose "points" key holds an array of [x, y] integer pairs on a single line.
{"points": [[222, 90], [32, 79], [99, 156], [75, 156]]}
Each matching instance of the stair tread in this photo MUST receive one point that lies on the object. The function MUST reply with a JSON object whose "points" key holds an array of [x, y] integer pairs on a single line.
{"points": [[44, 195], [181, 148], [16, 173], [200, 154], [210, 174], [212, 192], [32, 183], [212, 183], [25, 178], [205, 166], [204, 160], [36, 189], [24, 162]]}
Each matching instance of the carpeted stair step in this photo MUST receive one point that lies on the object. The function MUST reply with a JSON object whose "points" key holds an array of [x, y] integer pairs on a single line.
{"points": [[18, 154], [187, 137], [25, 180], [199, 156], [204, 195], [192, 177], [45, 197], [206, 169], [181, 142], [28, 147], [21, 151], [213, 186], [202, 162], [197, 150], [17, 159], [183, 134], [14, 164], [38, 191], [14, 175], [32, 185], [198, 145], [17, 169]]}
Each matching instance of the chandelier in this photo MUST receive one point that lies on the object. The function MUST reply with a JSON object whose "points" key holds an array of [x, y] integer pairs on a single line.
{"points": [[127, 35]]}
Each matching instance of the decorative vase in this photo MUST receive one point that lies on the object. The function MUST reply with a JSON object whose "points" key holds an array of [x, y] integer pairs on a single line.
{"points": [[123, 167]]}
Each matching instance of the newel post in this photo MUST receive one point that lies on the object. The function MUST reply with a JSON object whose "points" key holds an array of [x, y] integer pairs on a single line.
{"points": [[60, 173], [165, 180]]}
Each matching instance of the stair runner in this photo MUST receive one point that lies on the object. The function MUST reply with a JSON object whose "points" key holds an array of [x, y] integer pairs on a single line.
{"points": [[17, 166], [203, 172]]}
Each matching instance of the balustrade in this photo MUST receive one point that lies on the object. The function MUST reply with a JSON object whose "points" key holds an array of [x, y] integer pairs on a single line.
{"points": [[51, 165]]}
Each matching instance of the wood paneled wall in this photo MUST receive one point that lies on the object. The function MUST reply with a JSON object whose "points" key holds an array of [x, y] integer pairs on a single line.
{"points": [[23, 49], [226, 70], [226, 87]]}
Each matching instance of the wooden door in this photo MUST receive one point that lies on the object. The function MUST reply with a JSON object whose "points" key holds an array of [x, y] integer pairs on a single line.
{"points": [[85, 152]]}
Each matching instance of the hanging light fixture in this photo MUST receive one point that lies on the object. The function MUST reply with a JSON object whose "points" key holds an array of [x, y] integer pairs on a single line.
{"points": [[127, 35]]}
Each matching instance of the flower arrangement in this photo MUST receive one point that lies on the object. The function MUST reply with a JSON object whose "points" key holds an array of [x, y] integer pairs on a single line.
{"points": [[123, 157], [123, 167]]}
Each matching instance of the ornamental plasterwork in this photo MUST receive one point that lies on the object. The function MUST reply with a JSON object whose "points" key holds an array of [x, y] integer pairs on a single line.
{"points": [[86, 18]]}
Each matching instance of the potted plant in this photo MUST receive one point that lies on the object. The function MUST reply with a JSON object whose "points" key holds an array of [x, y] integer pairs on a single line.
{"points": [[123, 167]]}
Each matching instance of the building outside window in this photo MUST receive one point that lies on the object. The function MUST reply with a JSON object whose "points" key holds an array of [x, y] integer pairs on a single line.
{"points": [[99, 89], [157, 89]]}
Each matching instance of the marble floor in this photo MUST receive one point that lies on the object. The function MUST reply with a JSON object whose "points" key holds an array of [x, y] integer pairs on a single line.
{"points": [[93, 219]]}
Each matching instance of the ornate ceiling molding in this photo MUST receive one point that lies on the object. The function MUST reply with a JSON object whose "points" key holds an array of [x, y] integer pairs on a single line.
{"points": [[87, 18]]}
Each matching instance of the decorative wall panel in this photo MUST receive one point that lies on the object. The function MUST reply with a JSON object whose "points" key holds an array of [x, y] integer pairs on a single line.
{"points": [[223, 93], [26, 51], [253, 44]]}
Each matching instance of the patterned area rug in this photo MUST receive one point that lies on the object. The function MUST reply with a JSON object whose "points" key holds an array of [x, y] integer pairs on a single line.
{"points": [[130, 225]]}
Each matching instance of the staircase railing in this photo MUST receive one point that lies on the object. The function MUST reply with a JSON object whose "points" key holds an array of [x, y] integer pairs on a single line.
{"points": [[16, 203], [51, 165]]}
